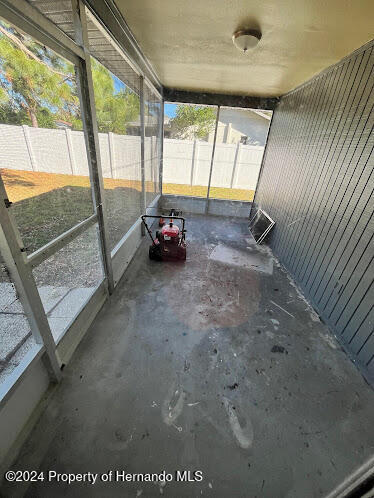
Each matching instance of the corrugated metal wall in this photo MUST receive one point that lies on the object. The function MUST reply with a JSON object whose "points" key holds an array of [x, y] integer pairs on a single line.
{"points": [[317, 184]]}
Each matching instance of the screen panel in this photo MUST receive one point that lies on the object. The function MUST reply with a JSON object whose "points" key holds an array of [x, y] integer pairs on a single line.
{"points": [[118, 119], [16, 339], [152, 145], [260, 225], [67, 279], [188, 147], [44, 165], [241, 138]]}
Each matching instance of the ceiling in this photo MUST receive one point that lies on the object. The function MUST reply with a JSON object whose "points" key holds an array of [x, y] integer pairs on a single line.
{"points": [[189, 42]]}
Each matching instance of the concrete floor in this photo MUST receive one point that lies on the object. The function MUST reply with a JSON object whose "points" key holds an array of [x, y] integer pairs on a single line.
{"points": [[216, 365]]}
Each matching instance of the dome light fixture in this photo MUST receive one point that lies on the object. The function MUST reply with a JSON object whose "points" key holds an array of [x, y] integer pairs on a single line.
{"points": [[245, 39]]}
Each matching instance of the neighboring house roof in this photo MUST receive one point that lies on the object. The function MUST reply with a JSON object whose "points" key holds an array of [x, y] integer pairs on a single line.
{"points": [[264, 114]]}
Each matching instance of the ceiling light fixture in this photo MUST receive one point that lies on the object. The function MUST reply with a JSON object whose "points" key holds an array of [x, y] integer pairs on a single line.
{"points": [[245, 39]]}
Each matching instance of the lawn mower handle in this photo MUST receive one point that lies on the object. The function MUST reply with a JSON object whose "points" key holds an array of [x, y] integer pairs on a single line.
{"points": [[158, 216], [155, 216]]}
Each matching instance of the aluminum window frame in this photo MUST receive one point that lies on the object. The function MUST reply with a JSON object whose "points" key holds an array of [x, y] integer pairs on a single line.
{"points": [[31, 21], [152, 88], [208, 197]]}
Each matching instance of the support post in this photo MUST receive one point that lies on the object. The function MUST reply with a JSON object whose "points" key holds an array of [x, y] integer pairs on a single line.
{"points": [[87, 99], [142, 150], [262, 163], [69, 142], [235, 166], [111, 153], [153, 162], [26, 133], [195, 155], [13, 253], [212, 159], [161, 163]]}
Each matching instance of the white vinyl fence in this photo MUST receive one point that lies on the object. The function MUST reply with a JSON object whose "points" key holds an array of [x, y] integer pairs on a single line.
{"points": [[188, 162], [64, 151], [185, 162]]}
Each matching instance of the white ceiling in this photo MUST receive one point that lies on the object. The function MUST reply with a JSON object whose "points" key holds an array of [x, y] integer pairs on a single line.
{"points": [[188, 42]]}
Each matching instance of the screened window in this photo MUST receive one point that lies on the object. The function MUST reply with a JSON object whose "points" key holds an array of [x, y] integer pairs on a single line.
{"points": [[118, 118], [241, 137], [188, 151], [152, 145], [44, 165]]}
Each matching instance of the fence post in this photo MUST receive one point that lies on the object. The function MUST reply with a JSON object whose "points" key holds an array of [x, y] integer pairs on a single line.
{"points": [[195, 158], [69, 142], [236, 162], [111, 153], [227, 134], [26, 133]]}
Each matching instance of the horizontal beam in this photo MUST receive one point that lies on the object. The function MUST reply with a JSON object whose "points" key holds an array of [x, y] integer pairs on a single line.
{"points": [[153, 88], [27, 18], [243, 101], [108, 14], [59, 242]]}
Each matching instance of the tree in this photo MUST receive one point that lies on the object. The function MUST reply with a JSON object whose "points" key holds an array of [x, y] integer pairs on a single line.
{"points": [[38, 87], [36, 84], [114, 109], [193, 121]]}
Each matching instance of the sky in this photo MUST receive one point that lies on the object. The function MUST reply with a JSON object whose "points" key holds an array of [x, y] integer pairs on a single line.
{"points": [[118, 84], [170, 110]]}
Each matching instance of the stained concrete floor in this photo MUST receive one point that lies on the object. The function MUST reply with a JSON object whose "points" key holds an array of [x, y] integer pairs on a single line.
{"points": [[218, 365]]}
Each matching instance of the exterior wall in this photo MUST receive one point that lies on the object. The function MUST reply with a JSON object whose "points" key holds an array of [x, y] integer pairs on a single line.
{"points": [[235, 123], [232, 125], [213, 207], [317, 184]]}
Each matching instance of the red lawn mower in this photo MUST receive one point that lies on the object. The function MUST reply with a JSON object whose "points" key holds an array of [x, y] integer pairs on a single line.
{"points": [[170, 242]]}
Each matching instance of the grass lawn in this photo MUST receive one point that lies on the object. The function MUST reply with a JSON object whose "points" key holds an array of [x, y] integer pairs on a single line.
{"points": [[45, 205], [233, 194]]}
